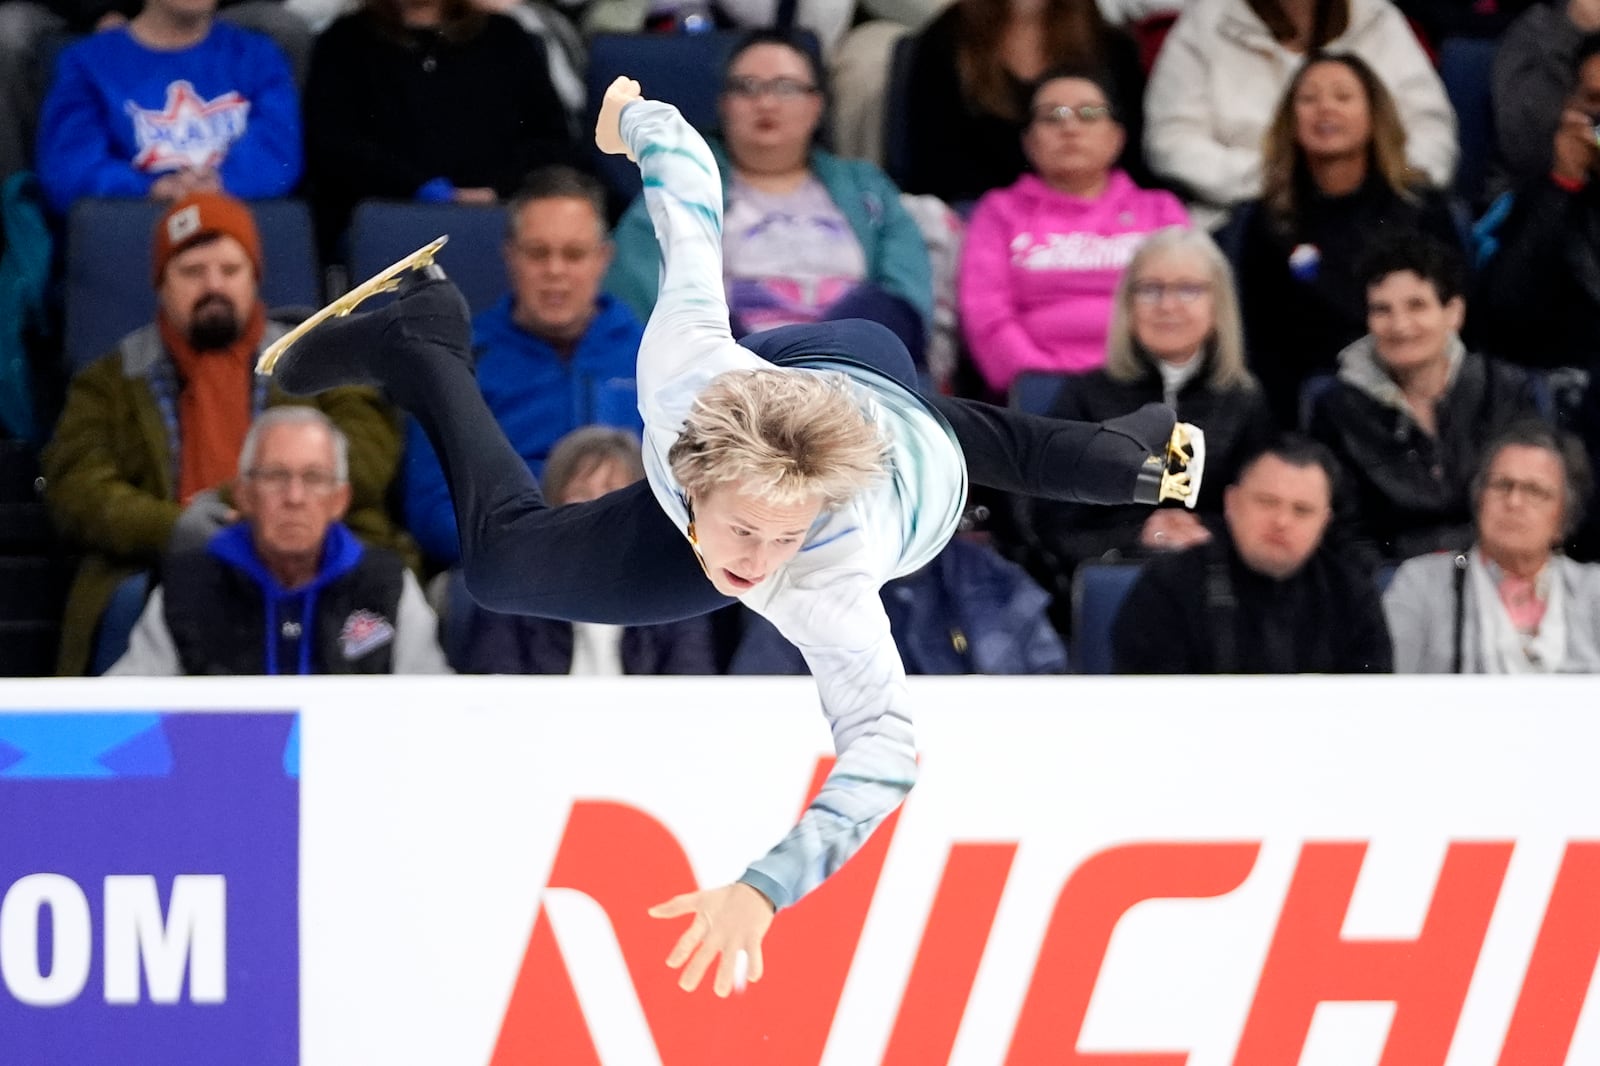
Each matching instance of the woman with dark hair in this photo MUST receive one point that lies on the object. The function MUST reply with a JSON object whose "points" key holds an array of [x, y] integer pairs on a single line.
{"points": [[807, 236], [1042, 256], [973, 76], [1512, 603], [1334, 178], [430, 100], [1226, 63]]}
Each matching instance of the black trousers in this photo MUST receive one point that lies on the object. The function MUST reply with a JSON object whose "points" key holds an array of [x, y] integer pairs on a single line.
{"points": [[620, 559]]}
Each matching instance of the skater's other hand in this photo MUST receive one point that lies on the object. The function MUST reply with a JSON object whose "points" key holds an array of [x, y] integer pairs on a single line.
{"points": [[475, 195], [608, 127], [727, 920]]}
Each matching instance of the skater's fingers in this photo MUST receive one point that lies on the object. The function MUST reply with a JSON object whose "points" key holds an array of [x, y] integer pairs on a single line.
{"points": [[697, 968], [690, 939], [756, 967], [675, 906], [727, 971]]}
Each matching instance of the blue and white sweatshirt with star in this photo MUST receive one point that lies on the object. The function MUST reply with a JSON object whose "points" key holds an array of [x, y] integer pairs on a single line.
{"points": [[825, 600], [120, 114]]}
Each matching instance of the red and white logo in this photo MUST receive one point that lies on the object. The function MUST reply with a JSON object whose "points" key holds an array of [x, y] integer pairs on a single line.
{"points": [[189, 131]]}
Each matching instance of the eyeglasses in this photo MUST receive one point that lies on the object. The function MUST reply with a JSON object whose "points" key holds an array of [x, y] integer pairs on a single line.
{"points": [[542, 253], [1151, 293], [1506, 487], [276, 479], [1088, 114], [751, 88]]}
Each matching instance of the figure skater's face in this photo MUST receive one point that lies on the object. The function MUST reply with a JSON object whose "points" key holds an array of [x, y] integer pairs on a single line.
{"points": [[744, 539]]}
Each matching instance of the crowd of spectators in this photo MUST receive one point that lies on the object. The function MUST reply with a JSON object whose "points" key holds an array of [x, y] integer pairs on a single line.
{"points": [[1242, 208]]}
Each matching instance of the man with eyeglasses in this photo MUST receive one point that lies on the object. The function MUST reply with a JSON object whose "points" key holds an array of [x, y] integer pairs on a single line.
{"points": [[1513, 602], [288, 589], [152, 430], [554, 354]]}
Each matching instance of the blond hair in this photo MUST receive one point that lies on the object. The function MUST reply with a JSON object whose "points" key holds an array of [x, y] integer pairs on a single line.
{"points": [[786, 436], [1225, 368]]}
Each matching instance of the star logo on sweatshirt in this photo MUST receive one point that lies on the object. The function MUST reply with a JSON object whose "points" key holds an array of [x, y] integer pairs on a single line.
{"points": [[189, 131]]}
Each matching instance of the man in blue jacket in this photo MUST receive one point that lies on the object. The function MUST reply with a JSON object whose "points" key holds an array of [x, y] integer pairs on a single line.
{"points": [[554, 354], [171, 104]]}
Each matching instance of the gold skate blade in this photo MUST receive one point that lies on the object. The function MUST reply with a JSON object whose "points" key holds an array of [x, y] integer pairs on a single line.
{"points": [[386, 280], [1185, 460]]}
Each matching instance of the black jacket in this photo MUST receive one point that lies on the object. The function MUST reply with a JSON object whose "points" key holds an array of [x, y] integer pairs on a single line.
{"points": [[1298, 319], [223, 622], [1202, 611], [1235, 422], [1406, 493], [1538, 299]]}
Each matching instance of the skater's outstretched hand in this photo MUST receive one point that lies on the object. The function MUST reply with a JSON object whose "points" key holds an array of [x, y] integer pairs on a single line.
{"points": [[608, 127], [727, 920]]}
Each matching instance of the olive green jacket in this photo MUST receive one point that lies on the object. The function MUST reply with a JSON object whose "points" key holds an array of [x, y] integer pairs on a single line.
{"points": [[109, 475]]}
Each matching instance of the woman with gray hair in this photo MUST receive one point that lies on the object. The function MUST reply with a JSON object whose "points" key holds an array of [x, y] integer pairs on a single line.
{"points": [[1174, 339], [800, 465], [1513, 603]]}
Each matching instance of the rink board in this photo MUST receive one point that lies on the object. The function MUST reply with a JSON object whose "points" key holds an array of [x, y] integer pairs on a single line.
{"points": [[1115, 872]]}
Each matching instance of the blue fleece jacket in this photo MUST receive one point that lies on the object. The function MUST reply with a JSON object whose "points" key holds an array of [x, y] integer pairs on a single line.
{"points": [[341, 551], [537, 396], [119, 115]]}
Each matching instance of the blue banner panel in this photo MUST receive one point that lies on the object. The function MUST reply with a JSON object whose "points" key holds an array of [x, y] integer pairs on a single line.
{"points": [[149, 878]]}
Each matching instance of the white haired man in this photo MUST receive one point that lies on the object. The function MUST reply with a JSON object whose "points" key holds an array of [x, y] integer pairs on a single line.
{"points": [[288, 589]]}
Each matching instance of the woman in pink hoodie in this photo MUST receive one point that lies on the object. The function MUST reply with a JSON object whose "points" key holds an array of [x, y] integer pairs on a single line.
{"points": [[1042, 257]]}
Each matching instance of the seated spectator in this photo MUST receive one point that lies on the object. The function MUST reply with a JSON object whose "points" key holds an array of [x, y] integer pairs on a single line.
{"points": [[1533, 76], [967, 612], [173, 103], [1224, 68], [1335, 178], [287, 589], [554, 354], [807, 236], [1174, 340], [974, 73], [1412, 408], [585, 465], [1540, 290], [1267, 594], [432, 100], [156, 423], [1512, 603], [1042, 257]]}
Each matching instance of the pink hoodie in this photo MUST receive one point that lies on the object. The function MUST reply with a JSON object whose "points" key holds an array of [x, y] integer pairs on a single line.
{"points": [[1039, 269]]}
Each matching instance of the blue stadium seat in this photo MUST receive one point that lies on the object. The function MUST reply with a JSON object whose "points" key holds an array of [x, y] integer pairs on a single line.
{"points": [[1036, 391], [683, 69], [1466, 66], [1098, 590], [1312, 390], [108, 269], [383, 232]]}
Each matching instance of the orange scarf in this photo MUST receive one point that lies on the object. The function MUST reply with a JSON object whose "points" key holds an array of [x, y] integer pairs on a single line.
{"points": [[214, 404]]}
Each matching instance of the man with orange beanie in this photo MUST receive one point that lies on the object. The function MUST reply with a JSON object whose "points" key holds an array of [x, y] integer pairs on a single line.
{"points": [[152, 431]]}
